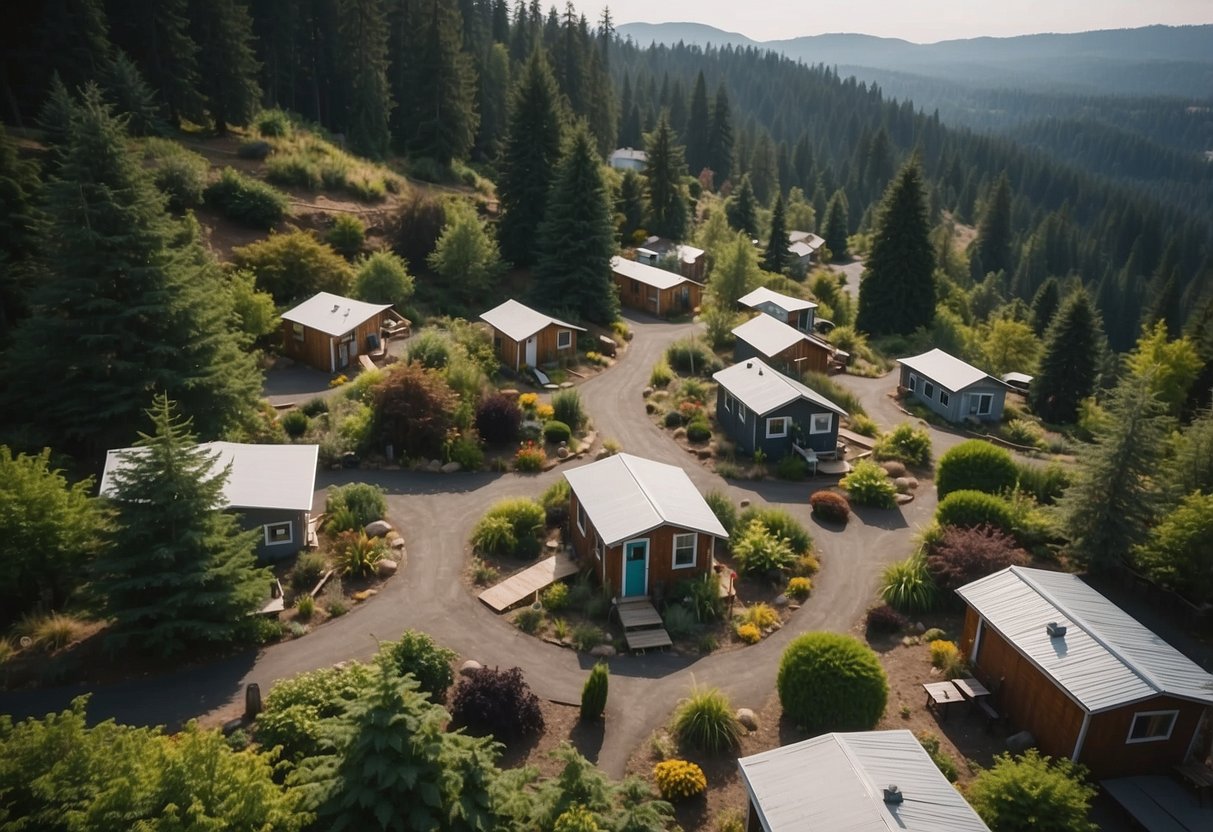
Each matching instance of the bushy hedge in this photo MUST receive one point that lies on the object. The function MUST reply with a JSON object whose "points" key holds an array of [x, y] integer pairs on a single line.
{"points": [[365, 502], [724, 508], [976, 465], [831, 682], [418, 655], [556, 431], [699, 430], [498, 418], [869, 485], [975, 508], [905, 443], [513, 526], [245, 200], [830, 506], [179, 173], [691, 357], [497, 702], [780, 523]]}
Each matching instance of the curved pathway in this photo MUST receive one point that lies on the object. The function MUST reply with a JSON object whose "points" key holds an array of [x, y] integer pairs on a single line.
{"points": [[435, 513]]}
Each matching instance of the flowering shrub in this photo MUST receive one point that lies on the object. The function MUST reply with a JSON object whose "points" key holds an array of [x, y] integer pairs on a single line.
{"points": [[749, 633], [528, 401], [337, 381], [943, 653], [530, 458], [678, 779], [760, 615], [544, 412], [689, 410], [799, 588]]}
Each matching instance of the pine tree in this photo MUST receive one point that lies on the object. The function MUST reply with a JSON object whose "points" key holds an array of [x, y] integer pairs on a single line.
{"points": [[699, 127], [994, 232], [836, 225], [576, 238], [1044, 305], [897, 294], [1113, 499], [75, 40], [156, 34], [177, 571], [630, 205], [135, 304], [763, 175], [628, 138], [364, 40], [1070, 364], [441, 123], [742, 208], [19, 189], [132, 97], [720, 137], [228, 65], [803, 168], [777, 256], [493, 95], [665, 169]]}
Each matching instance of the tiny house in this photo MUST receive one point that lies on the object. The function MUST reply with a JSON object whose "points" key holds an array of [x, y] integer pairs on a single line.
{"points": [[952, 388], [654, 290], [760, 408], [329, 332], [523, 337], [783, 347], [795, 312]]}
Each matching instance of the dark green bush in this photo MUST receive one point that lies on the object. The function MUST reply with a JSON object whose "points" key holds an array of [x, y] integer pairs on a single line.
{"points": [[792, 467], [430, 349], [594, 694], [672, 419], [905, 443], [975, 508], [699, 431], [274, 123], [780, 523], [179, 173], [255, 149], [246, 201], [975, 465], [511, 527], [691, 357], [567, 408], [364, 501], [346, 235], [295, 423], [831, 682], [315, 406], [705, 721], [869, 485], [1046, 484], [724, 508], [308, 569], [556, 431], [430, 664]]}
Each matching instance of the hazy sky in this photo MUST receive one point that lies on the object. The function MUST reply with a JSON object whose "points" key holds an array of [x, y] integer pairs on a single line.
{"points": [[921, 21]]}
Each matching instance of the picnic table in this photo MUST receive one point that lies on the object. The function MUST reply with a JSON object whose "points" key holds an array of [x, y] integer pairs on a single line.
{"points": [[941, 695], [971, 689]]}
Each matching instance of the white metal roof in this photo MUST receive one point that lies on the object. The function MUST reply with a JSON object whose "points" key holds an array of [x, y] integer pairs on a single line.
{"points": [[807, 237], [1105, 660], [771, 337], [649, 275], [627, 153], [333, 314], [1021, 378], [627, 495], [763, 389], [946, 370], [836, 782], [520, 322], [262, 476], [786, 302]]}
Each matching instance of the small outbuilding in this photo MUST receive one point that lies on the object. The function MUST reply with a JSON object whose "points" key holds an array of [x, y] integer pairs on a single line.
{"points": [[654, 290], [870, 781], [1085, 678], [762, 409], [804, 246], [329, 332], [952, 388], [640, 525], [626, 158], [524, 337], [783, 347], [270, 487], [797, 313], [692, 262]]}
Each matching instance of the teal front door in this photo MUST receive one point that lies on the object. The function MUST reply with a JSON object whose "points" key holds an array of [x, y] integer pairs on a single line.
{"points": [[635, 568]]}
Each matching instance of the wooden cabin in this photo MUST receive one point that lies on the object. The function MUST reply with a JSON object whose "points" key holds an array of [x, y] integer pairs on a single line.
{"points": [[523, 337], [783, 347], [329, 332], [1085, 678], [795, 312], [655, 290], [640, 525]]}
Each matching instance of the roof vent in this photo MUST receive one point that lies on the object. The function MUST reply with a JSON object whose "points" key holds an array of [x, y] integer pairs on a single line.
{"points": [[1055, 630], [892, 794], [336, 306], [749, 365]]}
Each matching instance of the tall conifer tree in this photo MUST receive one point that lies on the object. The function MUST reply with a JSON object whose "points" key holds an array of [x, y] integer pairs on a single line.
{"points": [[742, 208], [777, 256], [664, 168], [364, 41], [156, 34], [443, 124], [1044, 305], [1071, 361], [836, 225], [223, 31], [994, 232], [720, 137]]}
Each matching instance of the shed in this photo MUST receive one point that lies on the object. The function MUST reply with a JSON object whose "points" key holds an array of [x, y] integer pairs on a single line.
{"points": [[795, 312], [654, 290], [762, 409], [783, 347], [803, 246], [952, 388], [641, 525], [525, 337], [329, 332], [1088, 680], [870, 781], [626, 158], [692, 261], [269, 486]]}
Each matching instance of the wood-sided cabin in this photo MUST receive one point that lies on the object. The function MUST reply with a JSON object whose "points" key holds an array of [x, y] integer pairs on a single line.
{"points": [[760, 408], [269, 487], [640, 525], [785, 348], [1085, 678], [795, 312], [329, 332], [952, 388], [654, 290], [523, 337]]}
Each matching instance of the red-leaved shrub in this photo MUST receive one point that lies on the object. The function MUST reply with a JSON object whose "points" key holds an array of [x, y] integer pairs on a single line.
{"points": [[885, 619], [962, 555], [830, 506], [498, 418], [497, 702]]}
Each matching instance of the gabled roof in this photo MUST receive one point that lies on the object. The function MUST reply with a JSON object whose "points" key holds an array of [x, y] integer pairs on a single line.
{"points": [[262, 476], [627, 495], [649, 275], [763, 389], [785, 302], [333, 314], [802, 243], [946, 370], [519, 322], [1105, 660], [661, 247], [771, 337], [836, 782], [627, 153]]}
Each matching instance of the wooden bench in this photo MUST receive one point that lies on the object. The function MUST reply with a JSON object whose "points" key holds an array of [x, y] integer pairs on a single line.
{"points": [[647, 639]]}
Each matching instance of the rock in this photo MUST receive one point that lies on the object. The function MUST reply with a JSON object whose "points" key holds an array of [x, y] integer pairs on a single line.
{"points": [[562, 452], [379, 528], [469, 667], [451, 467], [745, 503], [781, 601], [704, 453], [894, 468], [748, 719], [386, 568], [912, 482], [902, 484], [793, 607], [1018, 743], [398, 543], [603, 651], [435, 466], [603, 453], [509, 393], [646, 392], [341, 665], [919, 627], [902, 499]]}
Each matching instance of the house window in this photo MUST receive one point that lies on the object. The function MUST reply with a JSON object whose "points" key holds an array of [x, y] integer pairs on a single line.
{"points": [[928, 389], [822, 423], [913, 383], [777, 427], [981, 404], [684, 550], [297, 331], [742, 413], [564, 339], [348, 338], [276, 534], [728, 403], [944, 398], [598, 547], [1151, 726], [581, 518]]}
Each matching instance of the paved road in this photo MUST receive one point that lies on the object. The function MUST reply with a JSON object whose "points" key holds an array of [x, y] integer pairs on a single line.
{"points": [[435, 513]]}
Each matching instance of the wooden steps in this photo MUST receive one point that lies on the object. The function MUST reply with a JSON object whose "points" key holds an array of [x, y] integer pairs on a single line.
{"points": [[643, 628]]}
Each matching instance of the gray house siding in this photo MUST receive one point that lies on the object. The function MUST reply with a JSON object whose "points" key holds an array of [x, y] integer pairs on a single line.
{"points": [[961, 403], [743, 350], [259, 518], [751, 433], [802, 320]]}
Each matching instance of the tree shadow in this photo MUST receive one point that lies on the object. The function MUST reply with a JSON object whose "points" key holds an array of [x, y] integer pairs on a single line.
{"points": [[587, 738], [889, 519]]}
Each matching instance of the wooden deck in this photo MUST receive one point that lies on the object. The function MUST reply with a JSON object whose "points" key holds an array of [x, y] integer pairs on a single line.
{"points": [[1160, 804], [525, 584], [643, 628]]}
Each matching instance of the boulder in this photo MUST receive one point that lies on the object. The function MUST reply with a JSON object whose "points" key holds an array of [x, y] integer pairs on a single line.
{"points": [[902, 499], [748, 719], [603, 651], [912, 482], [902, 484], [398, 544], [386, 568], [781, 600], [646, 392], [563, 451], [603, 453], [894, 468], [435, 466], [1021, 742], [378, 528], [745, 503], [451, 467], [469, 667], [919, 628]]}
